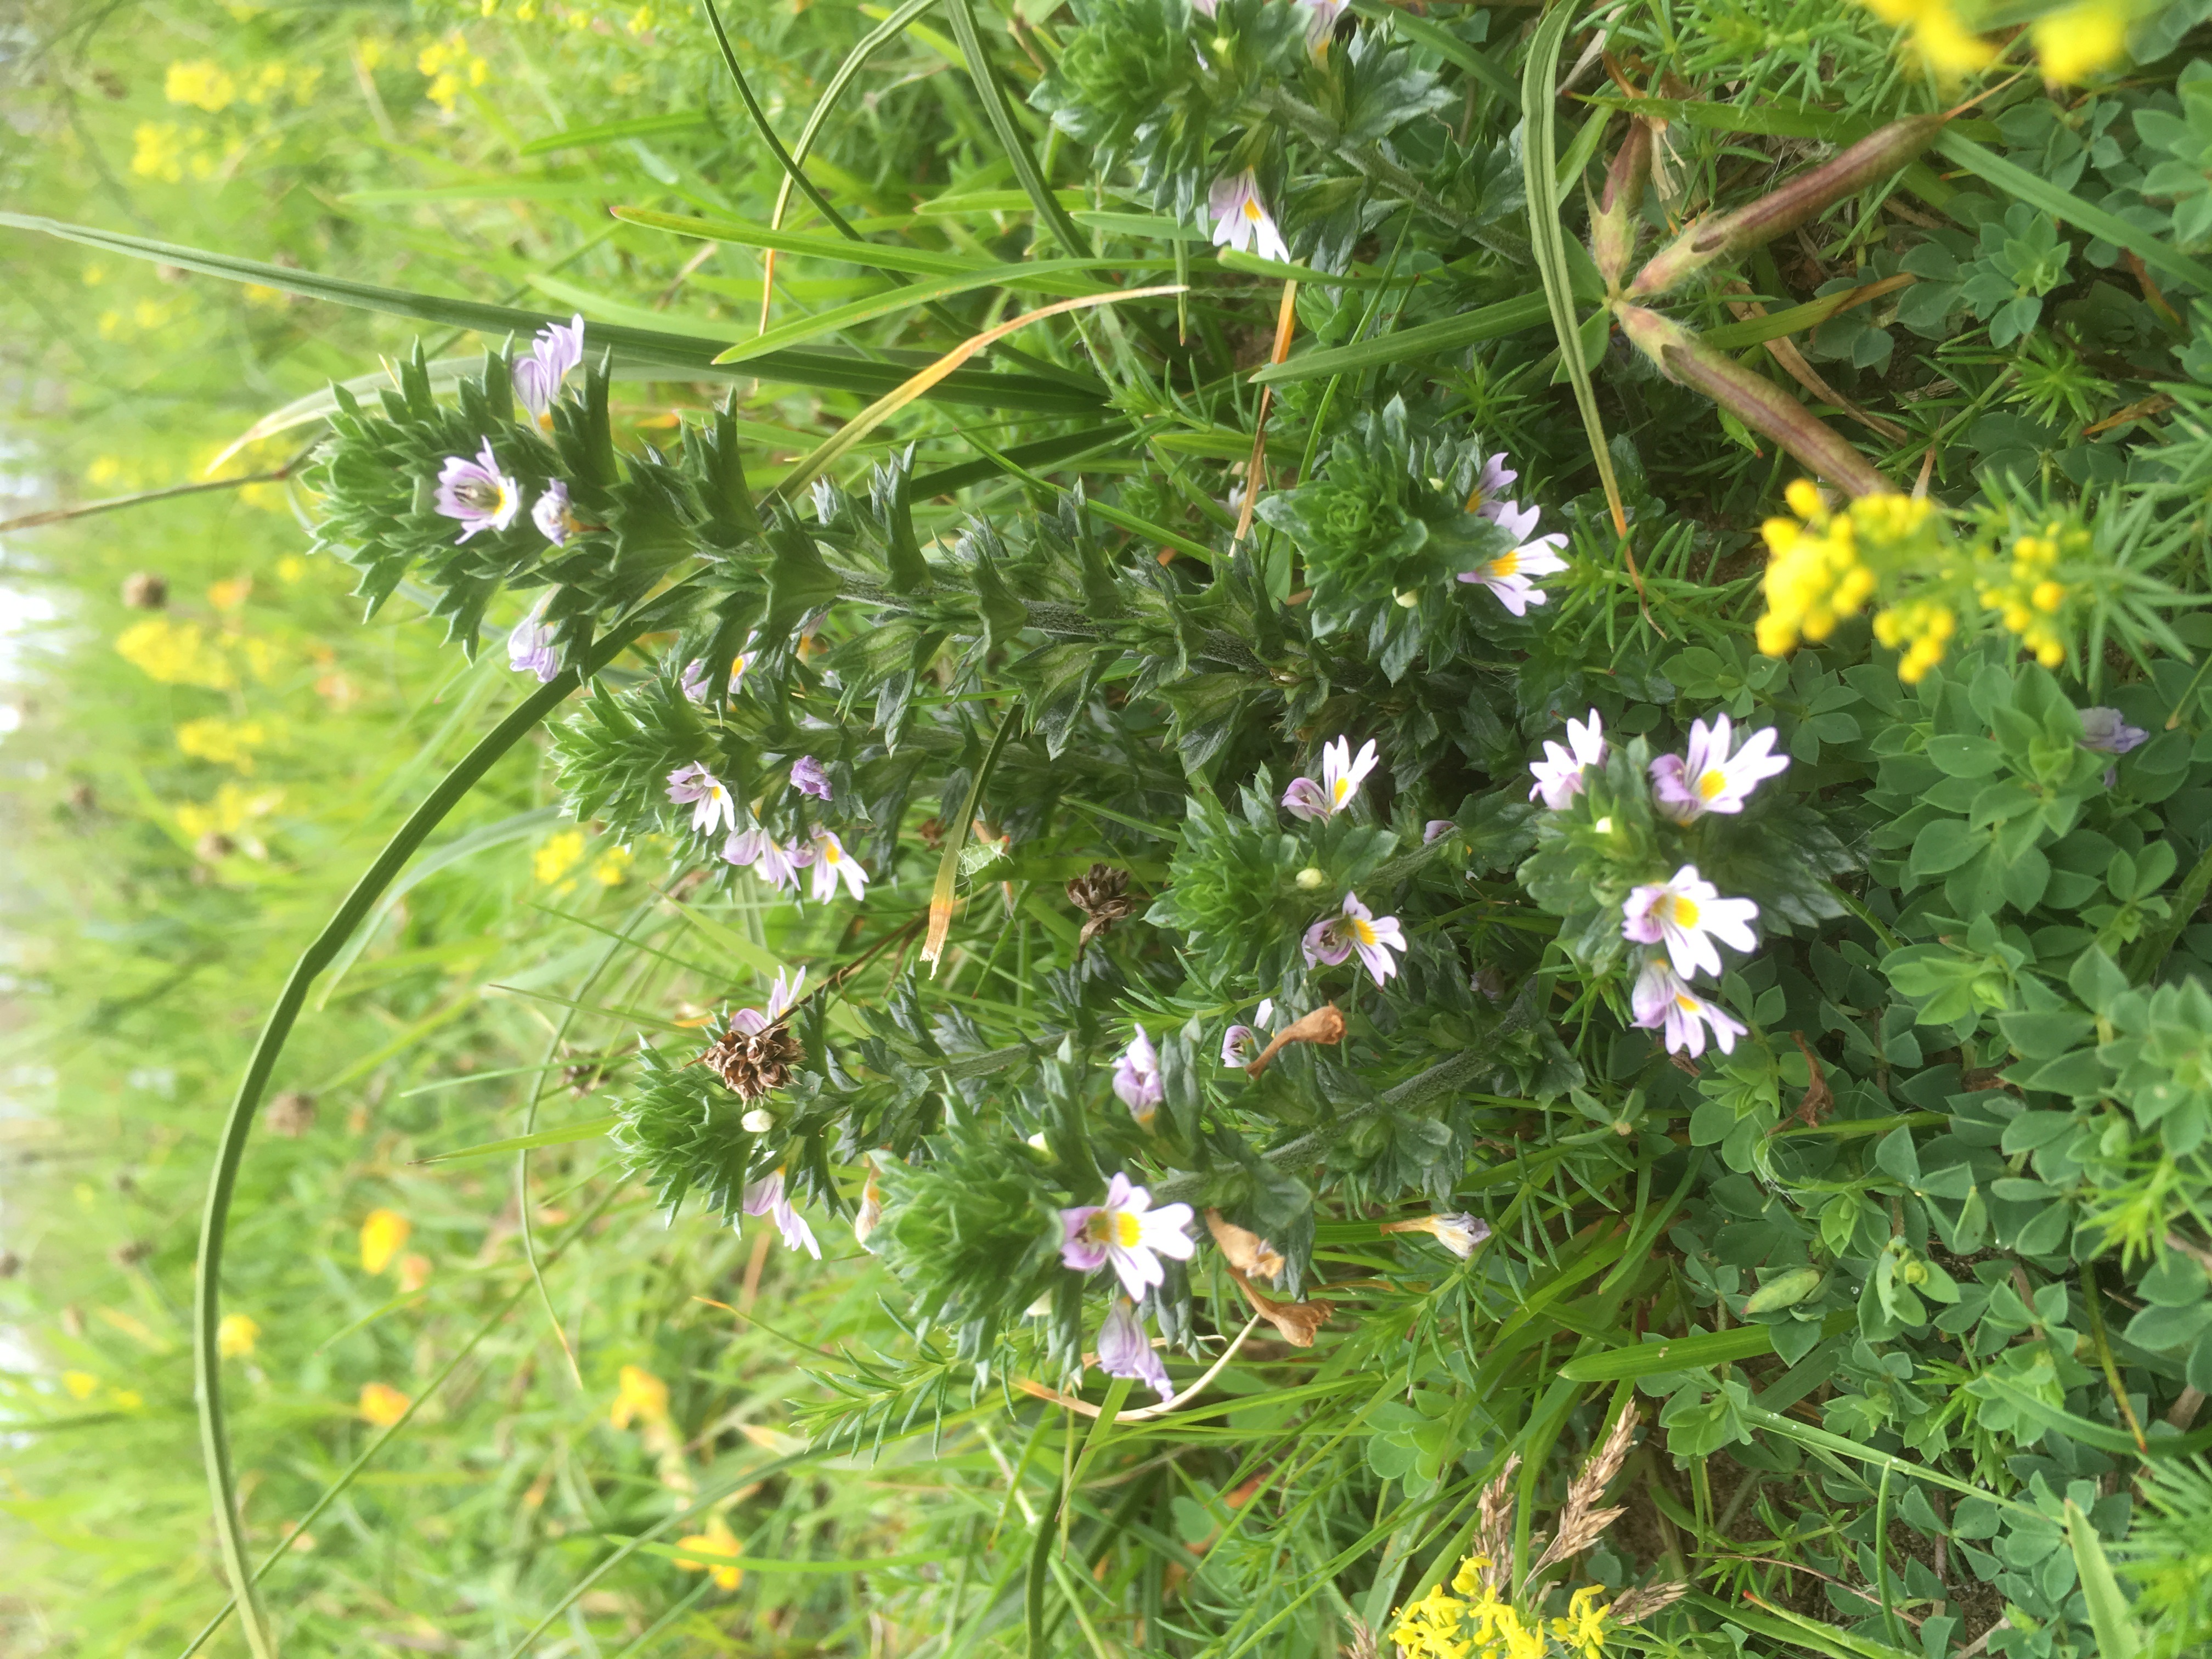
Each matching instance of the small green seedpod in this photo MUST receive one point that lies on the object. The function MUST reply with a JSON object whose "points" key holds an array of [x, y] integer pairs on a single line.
{"points": [[1751, 398], [1715, 240]]}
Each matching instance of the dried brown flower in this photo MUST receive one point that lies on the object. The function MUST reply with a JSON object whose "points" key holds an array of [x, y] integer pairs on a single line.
{"points": [[1102, 893], [1644, 1600], [1294, 1321], [753, 1062], [1248, 1252], [291, 1115], [1362, 1643], [1324, 1025], [145, 590], [11, 1264]]}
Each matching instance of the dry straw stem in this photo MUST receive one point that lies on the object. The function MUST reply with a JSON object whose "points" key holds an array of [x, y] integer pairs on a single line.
{"points": [[1146, 1413], [1325, 1024], [1581, 1522]]}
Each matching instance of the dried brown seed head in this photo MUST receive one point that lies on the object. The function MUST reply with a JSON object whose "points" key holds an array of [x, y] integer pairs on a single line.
{"points": [[1644, 1600], [291, 1115], [145, 590], [1493, 1530], [1581, 1522], [1294, 1321], [1102, 893], [753, 1062]]}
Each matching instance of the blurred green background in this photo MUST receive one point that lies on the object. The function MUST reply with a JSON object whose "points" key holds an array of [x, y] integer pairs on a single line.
{"points": [[203, 746]]}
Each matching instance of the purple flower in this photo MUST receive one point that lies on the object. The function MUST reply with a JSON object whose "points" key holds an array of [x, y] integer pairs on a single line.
{"points": [[1708, 779], [706, 794], [1124, 1349], [478, 493], [1487, 498], [753, 1021], [1241, 1044], [1322, 25], [808, 779], [1334, 937], [529, 649], [770, 860], [2103, 730], [551, 515], [557, 349], [1240, 219], [1662, 1000], [1127, 1232], [694, 682], [1136, 1077], [768, 1198], [1436, 827]]}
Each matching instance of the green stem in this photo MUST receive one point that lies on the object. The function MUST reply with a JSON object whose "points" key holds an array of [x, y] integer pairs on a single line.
{"points": [[207, 1310], [2152, 951], [993, 96]]}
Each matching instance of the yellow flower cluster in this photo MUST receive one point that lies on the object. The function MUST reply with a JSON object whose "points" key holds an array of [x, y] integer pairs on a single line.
{"points": [[2031, 602], [1475, 1624], [562, 853], [1922, 628], [226, 743], [230, 813], [452, 69], [176, 653], [203, 84], [1945, 45], [1817, 572], [2077, 41]]}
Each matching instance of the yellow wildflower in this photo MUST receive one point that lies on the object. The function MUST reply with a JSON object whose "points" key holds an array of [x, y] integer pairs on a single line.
{"points": [[613, 868], [452, 69], [176, 654], [81, 1385], [234, 1336], [641, 1396], [1817, 571], [2077, 41], [95, 274], [1922, 630], [382, 1235], [1948, 47], [559, 856], [717, 1540], [158, 151], [229, 814], [382, 1404], [226, 743], [203, 84], [129, 1400]]}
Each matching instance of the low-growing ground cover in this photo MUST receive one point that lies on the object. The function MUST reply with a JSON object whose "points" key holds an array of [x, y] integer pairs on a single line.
{"points": [[1261, 828]]}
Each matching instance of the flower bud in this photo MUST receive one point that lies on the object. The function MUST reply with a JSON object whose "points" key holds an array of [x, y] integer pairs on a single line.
{"points": [[1722, 238], [1613, 222], [1311, 878], [1751, 398], [758, 1121]]}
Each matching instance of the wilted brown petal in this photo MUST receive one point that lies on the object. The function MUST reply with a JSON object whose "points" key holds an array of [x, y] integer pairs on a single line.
{"points": [[1295, 1321], [1248, 1252], [1325, 1024]]}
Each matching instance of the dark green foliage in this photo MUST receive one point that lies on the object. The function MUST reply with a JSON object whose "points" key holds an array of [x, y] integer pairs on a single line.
{"points": [[973, 1233], [678, 1130]]}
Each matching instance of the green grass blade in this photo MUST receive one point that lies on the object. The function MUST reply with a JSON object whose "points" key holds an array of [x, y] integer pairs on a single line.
{"points": [[2118, 1636], [1051, 215], [632, 347], [2018, 183], [745, 233], [569, 1136], [1439, 40], [1547, 242], [1649, 1358], [1423, 340], [642, 126], [833, 93], [802, 328]]}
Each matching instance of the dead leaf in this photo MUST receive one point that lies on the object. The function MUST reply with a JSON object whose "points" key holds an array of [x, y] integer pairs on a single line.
{"points": [[1325, 1024], [1295, 1321], [1248, 1252]]}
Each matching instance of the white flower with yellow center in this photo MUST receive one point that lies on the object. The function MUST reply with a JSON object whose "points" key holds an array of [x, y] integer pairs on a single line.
{"points": [[1560, 775], [1240, 219], [1508, 575], [1687, 914], [1662, 1002], [1708, 779], [1334, 937], [708, 797], [1341, 774], [833, 864], [1127, 1233]]}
